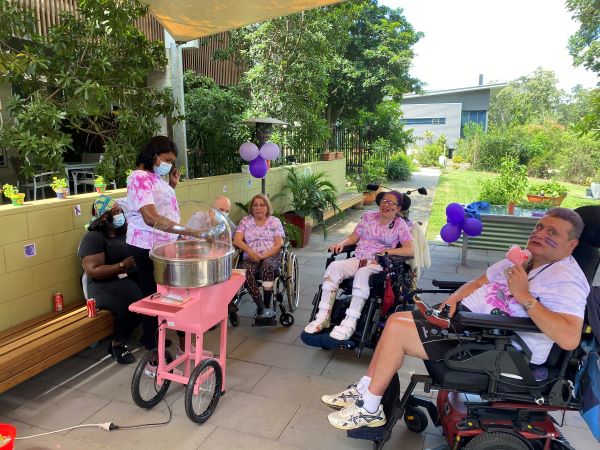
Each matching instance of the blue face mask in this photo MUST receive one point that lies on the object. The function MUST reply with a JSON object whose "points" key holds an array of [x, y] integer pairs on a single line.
{"points": [[118, 220], [163, 169]]}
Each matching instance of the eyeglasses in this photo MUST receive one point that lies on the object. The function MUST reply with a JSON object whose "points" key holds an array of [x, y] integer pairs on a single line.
{"points": [[259, 206], [388, 202]]}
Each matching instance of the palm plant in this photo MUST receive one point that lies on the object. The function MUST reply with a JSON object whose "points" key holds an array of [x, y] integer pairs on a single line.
{"points": [[310, 194]]}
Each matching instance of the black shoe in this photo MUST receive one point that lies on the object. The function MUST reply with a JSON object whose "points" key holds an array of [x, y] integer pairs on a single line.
{"points": [[121, 354]]}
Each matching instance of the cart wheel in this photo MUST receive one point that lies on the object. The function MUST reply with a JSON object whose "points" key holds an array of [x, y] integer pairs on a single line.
{"points": [[234, 319], [199, 407], [286, 319], [415, 419], [293, 282], [144, 390]]}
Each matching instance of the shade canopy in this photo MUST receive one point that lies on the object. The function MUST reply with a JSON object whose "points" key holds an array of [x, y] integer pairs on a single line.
{"points": [[191, 19]]}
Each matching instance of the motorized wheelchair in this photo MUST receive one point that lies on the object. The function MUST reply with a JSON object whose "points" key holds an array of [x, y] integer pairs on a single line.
{"points": [[287, 282], [370, 324], [489, 397]]}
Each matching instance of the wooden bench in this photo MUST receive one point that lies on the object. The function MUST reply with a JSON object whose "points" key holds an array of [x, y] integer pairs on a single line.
{"points": [[33, 346], [345, 201]]}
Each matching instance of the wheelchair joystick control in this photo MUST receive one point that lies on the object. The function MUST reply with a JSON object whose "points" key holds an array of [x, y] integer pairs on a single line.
{"points": [[440, 319], [445, 313]]}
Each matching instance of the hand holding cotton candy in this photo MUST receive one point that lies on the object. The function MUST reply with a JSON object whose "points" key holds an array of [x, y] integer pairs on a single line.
{"points": [[518, 256]]}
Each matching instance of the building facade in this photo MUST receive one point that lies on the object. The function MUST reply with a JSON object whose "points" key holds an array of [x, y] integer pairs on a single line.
{"points": [[446, 112]]}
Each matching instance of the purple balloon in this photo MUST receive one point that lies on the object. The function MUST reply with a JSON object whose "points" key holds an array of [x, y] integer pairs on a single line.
{"points": [[248, 151], [269, 151], [258, 167], [450, 232], [455, 213], [472, 227]]}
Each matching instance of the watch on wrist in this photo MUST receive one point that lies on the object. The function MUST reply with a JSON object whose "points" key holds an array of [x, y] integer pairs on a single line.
{"points": [[531, 303], [122, 266]]}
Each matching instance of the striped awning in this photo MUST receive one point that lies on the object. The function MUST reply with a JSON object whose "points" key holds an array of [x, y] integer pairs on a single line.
{"points": [[191, 19]]}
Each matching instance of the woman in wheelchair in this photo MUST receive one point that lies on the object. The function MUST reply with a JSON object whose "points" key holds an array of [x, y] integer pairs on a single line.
{"points": [[378, 231], [550, 289], [260, 235]]}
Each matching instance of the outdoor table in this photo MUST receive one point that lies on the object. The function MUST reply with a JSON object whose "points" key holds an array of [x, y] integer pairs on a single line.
{"points": [[501, 230], [75, 168]]}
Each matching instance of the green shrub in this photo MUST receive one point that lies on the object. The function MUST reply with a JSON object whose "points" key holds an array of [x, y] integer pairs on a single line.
{"points": [[458, 159], [548, 189], [510, 186], [373, 171], [400, 167], [429, 155]]}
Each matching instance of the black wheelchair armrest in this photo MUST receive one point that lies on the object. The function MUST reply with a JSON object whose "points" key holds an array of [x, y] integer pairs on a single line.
{"points": [[445, 284], [347, 249], [475, 320], [399, 258]]}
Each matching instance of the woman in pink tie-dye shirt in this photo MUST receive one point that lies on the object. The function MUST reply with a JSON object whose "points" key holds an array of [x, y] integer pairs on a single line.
{"points": [[152, 204], [378, 231]]}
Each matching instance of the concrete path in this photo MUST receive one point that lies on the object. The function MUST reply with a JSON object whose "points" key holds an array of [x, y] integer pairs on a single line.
{"points": [[274, 381]]}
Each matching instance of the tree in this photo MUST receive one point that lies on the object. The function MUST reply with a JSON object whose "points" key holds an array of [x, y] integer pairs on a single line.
{"points": [[584, 44], [87, 77], [373, 60], [528, 99]]}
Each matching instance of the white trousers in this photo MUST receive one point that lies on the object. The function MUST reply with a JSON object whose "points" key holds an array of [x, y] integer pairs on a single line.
{"points": [[340, 270]]}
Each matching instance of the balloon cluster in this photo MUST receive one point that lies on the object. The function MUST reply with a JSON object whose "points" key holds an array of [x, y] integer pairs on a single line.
{"points": [[258, 157], [458, 222]]}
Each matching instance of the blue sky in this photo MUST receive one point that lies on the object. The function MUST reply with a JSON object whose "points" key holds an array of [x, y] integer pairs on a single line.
{"points": [[502, 39]]}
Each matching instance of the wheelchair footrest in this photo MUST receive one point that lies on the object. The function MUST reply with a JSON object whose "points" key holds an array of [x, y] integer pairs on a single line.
{"points": [[265, 322], [325, 341], [367, 433]]}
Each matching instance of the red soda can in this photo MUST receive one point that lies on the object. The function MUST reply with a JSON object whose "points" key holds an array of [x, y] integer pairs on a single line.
{"points": [[91, 307], [58, 302]]}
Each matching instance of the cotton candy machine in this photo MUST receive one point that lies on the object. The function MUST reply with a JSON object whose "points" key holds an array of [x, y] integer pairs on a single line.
{"points": [[194, 261], [195, 284]]}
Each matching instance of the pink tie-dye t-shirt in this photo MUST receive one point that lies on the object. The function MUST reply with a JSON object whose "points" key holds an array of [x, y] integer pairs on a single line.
{"points": [[561, 287], [261, 239], [375, 238], [147, 188]]}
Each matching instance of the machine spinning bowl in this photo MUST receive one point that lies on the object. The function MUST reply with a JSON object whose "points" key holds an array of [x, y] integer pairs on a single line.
{"points": [[192, 263]]}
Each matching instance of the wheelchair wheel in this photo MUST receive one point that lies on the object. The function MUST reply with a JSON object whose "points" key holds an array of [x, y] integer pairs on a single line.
{"points": [[199, 407], [415, 419], [293, 282], [144, 391], [286, 319], [496, 441]]}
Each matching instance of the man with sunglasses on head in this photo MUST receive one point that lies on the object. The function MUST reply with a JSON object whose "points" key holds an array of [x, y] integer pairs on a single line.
{"points": [[377, 232], [549, 288]]}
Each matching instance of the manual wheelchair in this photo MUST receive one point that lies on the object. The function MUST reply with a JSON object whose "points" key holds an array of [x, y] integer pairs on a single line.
{"points": [[286, 283], [402, 282], [489, 396]]}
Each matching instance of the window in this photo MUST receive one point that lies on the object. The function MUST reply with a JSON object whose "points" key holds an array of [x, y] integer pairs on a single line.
{"points": [[425, 121], [479, 117]]}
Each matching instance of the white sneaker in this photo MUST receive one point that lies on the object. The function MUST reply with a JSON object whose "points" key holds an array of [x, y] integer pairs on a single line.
{"points": [[356, 416], [344, 399], [317, 325], [344, 330]]}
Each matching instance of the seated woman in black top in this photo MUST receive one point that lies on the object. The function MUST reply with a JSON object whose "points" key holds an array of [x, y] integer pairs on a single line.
{"points": [[111, 272]]}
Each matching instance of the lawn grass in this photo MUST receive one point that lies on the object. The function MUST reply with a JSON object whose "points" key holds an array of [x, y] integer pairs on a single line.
{"points": [[462, 185]]}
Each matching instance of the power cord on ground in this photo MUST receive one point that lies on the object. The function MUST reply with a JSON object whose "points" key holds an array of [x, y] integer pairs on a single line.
{"points": [[110, 426]]}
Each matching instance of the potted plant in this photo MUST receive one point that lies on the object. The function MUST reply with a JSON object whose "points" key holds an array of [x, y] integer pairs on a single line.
{"points": [[310, 195], [373, 171], [507, 189], [12, 192], [547, 191], [100, 184], [328, 156], [60, 186]]}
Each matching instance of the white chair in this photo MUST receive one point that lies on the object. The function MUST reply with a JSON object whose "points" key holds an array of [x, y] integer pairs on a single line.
{"points": [[40, 180]]}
